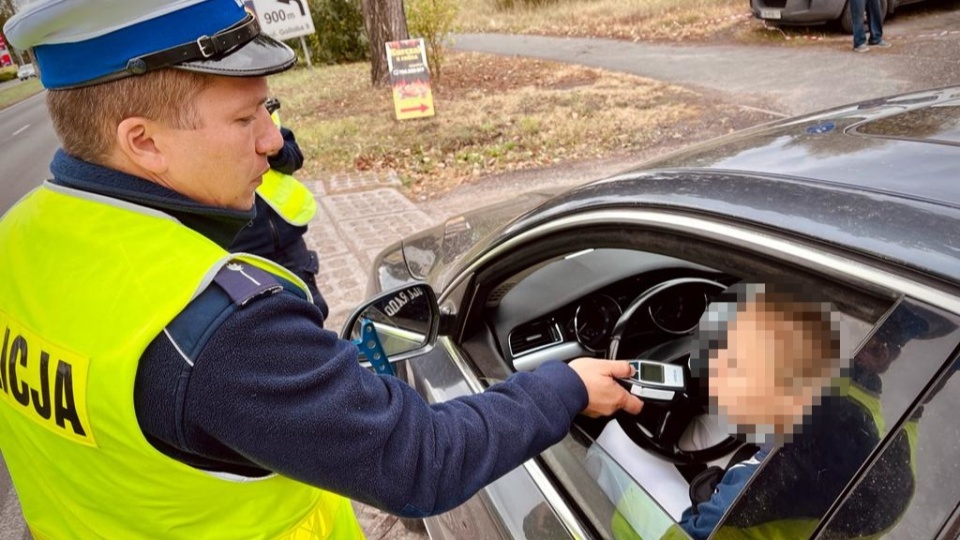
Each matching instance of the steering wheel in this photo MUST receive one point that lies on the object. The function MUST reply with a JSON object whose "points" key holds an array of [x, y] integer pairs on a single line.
{"points": [[670, 420]]}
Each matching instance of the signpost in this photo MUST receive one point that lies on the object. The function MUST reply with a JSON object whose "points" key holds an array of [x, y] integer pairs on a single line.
{"points": [[284, 19], [410, 78]]}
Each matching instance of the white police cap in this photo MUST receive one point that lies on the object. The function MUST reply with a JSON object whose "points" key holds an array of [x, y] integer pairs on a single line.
{"points": [[84, 42]]}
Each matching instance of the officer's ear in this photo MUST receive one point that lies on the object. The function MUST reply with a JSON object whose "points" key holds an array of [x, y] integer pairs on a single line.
{"points": [[137, 142]]}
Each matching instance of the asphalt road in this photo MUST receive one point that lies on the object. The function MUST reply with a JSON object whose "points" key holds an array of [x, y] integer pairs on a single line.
{"points": [[27, 143], [783, 79]]}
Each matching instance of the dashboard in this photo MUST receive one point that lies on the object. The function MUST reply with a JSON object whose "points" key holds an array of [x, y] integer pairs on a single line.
{"points": [[569, 307]]}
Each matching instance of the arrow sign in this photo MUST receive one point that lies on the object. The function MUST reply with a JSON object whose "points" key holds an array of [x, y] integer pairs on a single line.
{"points": [[422, 108], [303, 12], [410, 78]]}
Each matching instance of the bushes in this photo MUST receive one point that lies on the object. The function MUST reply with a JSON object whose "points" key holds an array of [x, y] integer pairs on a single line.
{"points": [[339, 37], [8, 73], [433, 21]]}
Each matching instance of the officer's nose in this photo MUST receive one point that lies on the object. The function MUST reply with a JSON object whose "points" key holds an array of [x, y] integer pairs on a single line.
{"points": [[270, 141]]}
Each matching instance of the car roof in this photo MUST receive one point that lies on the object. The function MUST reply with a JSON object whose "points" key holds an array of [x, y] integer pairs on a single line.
{"points": [[907, 145], [878, 178]]}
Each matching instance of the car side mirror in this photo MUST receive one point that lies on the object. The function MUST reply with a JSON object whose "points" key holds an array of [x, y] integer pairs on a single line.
{"points": [[401, 323]]}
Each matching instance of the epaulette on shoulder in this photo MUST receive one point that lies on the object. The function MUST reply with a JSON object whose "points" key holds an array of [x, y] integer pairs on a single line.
{"points": [[244, 282]]}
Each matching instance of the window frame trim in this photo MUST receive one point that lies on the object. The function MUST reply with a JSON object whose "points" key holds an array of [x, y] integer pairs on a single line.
{"points": [[806, 254]]}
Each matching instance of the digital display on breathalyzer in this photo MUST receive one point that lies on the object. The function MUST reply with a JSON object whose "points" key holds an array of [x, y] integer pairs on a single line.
{"points": [[651, 372]]}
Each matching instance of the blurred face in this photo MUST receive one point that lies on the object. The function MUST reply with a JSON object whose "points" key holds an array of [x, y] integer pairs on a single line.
{"points": [[221, 161], [755, 382], [879, 352]]}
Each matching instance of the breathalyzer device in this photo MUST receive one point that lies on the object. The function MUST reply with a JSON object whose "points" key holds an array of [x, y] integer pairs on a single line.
{"points": [[656, 381]]}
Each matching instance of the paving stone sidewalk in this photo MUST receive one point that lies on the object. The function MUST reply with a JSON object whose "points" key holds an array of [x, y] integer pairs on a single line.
{"points": [[358, 215]]}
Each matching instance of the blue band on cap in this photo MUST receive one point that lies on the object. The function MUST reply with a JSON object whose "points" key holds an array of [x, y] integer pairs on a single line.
{"points": [[72, 64]]}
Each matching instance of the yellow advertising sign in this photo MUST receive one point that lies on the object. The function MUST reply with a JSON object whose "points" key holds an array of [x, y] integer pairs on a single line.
{"points": [[410, 78]]}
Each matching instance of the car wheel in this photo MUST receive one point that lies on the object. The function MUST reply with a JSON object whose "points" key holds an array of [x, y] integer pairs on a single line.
{"points": [[846, 23]]}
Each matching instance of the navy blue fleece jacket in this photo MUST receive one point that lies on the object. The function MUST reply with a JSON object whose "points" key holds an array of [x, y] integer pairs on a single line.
{"points": [[271, 390]]}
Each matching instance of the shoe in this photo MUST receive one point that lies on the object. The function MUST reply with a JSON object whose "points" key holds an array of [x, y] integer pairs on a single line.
{"points": [[861, 48], [881, 44]]}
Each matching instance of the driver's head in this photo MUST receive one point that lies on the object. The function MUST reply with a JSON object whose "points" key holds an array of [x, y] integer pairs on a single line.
{"points": [[774, 354]]}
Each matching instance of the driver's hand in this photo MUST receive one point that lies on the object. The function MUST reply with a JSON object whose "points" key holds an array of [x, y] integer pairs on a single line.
{"points": [[605, 395]]}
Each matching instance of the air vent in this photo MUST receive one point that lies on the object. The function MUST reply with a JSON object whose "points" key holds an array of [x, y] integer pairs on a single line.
{"points": [[534, 336]]}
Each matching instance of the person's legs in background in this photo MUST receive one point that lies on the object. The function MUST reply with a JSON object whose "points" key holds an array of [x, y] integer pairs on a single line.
{"points": [[857, 8], [875, 21]]}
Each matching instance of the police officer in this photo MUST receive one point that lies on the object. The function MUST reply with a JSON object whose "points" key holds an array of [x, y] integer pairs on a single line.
{"points": [[156, 386]]}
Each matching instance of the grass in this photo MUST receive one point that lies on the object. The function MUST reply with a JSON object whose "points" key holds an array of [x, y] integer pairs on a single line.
{"points": [[20, 92], [620, 19], [494, 114]]}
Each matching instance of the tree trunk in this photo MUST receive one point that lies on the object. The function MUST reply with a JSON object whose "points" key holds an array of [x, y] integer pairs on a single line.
{"points": [[384, 21]]}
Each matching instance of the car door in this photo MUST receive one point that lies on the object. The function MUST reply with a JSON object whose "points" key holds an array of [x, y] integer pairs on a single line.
{"points": [[556, 491]]}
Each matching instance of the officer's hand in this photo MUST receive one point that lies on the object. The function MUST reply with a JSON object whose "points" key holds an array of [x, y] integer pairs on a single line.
{"points": [[604, 393]]}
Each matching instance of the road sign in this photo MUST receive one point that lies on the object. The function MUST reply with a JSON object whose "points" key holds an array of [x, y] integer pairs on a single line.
{"points": [[282, 19], [410, 78]]}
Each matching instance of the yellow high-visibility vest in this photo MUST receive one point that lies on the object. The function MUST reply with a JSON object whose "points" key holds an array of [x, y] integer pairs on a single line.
{"points": [[88, 283]]}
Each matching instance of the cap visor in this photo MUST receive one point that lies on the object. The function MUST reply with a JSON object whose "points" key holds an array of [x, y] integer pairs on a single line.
{"points": [[260, 57]]}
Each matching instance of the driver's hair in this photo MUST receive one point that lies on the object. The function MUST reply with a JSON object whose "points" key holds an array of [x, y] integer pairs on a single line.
{"points": [[817, 356], [815, 318], [86, 118]]}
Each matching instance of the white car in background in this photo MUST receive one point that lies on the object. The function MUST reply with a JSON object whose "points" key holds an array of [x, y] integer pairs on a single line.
{"points": [[26, 71]]}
